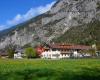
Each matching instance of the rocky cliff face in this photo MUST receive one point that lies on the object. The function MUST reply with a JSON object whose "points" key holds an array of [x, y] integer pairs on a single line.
{"points": [[64, 15]]}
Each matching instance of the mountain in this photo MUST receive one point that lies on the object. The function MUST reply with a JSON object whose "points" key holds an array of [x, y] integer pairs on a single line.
{"points": [[67, 21], [87, 34]]}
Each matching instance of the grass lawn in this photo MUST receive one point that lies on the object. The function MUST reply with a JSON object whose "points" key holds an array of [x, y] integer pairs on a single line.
{"points": [[70, 69]]}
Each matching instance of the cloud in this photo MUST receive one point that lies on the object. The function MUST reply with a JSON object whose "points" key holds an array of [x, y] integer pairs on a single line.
{"points": [[32, 12], [2, 27], [36, 11], [16, 20]]}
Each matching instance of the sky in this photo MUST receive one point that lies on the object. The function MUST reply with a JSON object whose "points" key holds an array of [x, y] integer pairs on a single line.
{"points": [[13, 12]]}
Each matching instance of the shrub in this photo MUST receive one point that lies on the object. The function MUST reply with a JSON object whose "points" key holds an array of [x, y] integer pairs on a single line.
{"points": [[11, 50], [30, 52]]}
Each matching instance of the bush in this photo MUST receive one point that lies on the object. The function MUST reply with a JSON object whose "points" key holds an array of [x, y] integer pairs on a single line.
{"points": [[11, 50], [30, 52]]}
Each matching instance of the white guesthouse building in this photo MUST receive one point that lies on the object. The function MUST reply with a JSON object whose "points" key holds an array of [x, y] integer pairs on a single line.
{"points": [[53, 55], [59, 51]]}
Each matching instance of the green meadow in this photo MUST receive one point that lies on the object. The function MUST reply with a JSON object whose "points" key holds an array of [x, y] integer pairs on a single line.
{"points": [[69, 69]]}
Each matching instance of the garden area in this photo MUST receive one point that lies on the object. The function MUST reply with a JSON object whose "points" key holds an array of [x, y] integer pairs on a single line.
{"points": [[39, 69]]}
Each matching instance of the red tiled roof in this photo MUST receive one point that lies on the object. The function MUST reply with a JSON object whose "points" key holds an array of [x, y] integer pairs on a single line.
{"points": [[69, 46]]}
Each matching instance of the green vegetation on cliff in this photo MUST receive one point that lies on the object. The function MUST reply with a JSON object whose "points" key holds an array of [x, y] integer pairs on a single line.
{"points": [[86, 34]]}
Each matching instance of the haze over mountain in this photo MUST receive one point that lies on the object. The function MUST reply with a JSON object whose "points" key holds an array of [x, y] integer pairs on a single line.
{"points": [[73, 21]]}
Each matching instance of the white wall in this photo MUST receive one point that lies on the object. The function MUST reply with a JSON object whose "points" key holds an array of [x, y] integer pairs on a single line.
{"points": [[53, 55]]}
